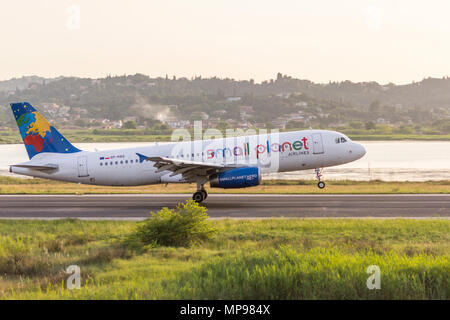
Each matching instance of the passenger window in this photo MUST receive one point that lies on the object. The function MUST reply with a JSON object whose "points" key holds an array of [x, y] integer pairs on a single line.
{"points": [[106, 163], [131, 161], [117, 162], [111, 163], [101, 163], [126, 161], [121, 162]]}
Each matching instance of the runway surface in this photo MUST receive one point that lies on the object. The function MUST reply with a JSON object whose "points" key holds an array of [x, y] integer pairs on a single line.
{"points": [[135, 207]]}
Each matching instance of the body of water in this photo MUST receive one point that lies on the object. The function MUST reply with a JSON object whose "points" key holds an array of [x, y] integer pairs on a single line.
{"points": [[384, 160]]}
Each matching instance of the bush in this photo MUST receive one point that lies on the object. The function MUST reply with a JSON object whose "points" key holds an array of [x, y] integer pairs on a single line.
{"points": [[183, 226]]}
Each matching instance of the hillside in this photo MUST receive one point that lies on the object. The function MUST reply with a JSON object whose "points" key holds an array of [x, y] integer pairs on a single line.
{"points": [[112, 101]]}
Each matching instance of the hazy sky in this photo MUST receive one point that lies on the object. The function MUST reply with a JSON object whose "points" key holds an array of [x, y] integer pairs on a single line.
{"points": [[320, 40]]}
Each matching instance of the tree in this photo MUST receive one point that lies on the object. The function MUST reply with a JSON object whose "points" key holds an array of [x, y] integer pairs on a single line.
{"points": [[370, 125], [356, 124], [129, 125], [80, 123], [374, 107]]}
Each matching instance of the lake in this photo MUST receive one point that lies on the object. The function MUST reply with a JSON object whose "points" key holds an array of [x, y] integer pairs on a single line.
{"points": [[384, 160]]}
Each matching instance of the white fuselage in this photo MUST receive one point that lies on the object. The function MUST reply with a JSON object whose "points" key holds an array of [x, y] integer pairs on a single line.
{"points": [[280, 152]]}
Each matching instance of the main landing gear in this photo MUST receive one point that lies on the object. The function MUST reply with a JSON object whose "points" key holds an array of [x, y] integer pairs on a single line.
{"points": [[320, 184], [200, 195]]}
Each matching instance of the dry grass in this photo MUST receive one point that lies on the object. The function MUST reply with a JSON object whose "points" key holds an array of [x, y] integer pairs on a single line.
{"points": [[41, 186]]}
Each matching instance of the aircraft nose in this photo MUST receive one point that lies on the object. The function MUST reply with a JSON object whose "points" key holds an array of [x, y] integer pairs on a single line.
{"points": [[358, 150]]}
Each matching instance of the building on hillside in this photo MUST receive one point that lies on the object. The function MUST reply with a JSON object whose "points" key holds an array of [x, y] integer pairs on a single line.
{"points": [[130, 118], [116, 124], [296, 116], [284, 95], [247, 109], [234, 99], [280, 122], [50, 108], [301, 104], [174, 123], [213, 122], [63, 111], [219, 112]]}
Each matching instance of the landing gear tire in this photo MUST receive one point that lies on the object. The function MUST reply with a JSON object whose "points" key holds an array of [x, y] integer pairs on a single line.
{"points": [[198, 197], [205, 194], [320, 184]]}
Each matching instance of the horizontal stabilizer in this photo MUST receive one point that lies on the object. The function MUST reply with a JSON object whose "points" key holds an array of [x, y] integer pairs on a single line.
{"points": [[46, 167]]}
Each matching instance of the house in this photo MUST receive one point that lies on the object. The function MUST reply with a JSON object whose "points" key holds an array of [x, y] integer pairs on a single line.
{"points": [[117, 124], [51, 108], [382, 121], [301, 104], [219, 112], [213, 122], [284, 95], [247, 109], [280, 122], [200, 115], [131, 118], [295, 116], [233, 99], [63, 111], [174, 123]]}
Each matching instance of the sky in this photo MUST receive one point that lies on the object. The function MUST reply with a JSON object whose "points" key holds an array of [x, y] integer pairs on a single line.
{"points": [[395, 41]]}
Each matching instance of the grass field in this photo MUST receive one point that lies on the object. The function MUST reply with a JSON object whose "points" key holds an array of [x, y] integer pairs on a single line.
{"points": [[12, 185], [249, 259], [87, 135]]}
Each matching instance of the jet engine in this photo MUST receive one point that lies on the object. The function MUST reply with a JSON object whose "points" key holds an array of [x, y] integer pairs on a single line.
{"points": [[236, 178]]}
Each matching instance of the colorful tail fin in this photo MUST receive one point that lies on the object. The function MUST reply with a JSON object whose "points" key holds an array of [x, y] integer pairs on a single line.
{"points": [[37, 134]]}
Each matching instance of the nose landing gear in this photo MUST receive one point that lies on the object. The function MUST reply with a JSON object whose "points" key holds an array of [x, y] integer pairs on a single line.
{"points": [[320, 184]]}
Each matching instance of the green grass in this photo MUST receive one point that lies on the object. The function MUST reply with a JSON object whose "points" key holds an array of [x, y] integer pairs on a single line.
{"points": [[87, 135], [249, 259]]}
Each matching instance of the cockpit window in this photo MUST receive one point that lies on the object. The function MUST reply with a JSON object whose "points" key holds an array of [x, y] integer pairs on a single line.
{"points": [[340, 140]]}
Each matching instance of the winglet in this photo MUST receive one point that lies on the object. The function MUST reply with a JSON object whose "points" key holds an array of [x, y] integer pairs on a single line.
{"points": [[142, 158]]}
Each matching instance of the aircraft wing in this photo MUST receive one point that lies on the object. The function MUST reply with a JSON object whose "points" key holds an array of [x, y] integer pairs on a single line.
{"points": [[191, 170]]}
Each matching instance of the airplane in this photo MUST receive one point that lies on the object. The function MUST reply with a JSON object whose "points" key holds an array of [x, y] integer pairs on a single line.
{"points": [[233, 162]]}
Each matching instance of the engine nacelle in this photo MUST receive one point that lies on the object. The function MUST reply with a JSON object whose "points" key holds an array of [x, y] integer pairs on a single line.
{"points": [[236, 178]]}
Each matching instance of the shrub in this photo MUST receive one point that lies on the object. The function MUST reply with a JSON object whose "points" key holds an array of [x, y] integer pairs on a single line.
{"points": [[183, 226]]}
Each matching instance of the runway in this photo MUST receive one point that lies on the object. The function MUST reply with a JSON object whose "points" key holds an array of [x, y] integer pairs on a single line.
{"points": [[136, 207]]}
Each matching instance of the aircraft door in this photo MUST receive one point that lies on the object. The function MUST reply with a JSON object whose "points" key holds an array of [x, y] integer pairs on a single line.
{"points": [[82, 166], [317, 143]]}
